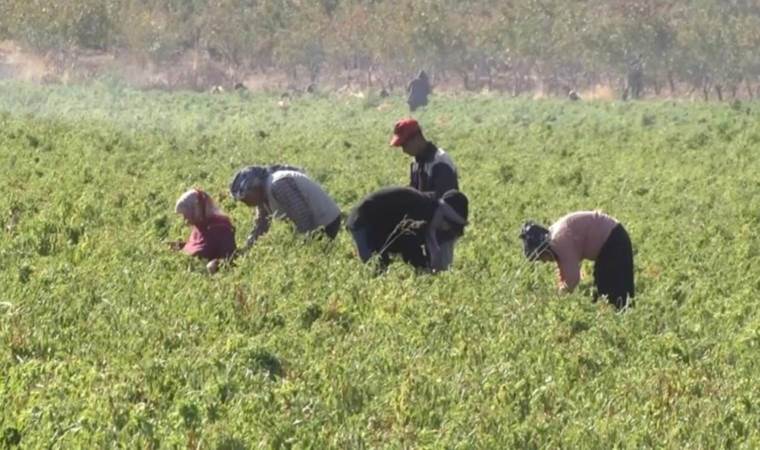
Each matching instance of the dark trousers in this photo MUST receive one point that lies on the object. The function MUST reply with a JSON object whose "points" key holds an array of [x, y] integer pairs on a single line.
{"points": [[613, 270]]}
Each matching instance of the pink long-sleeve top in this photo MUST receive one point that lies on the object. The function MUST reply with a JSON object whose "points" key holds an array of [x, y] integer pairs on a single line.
{"points": [[575, 237], [212, 240]]}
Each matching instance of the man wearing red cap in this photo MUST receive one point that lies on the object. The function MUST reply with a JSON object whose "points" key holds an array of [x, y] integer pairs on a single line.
{"points": [[432, 169]]}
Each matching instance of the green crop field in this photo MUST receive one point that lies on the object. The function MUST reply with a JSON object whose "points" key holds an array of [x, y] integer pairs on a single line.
{"points": [[108, 339]]}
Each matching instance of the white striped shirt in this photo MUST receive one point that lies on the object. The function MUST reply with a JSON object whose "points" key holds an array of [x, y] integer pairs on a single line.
{"points": [[293, 195]]}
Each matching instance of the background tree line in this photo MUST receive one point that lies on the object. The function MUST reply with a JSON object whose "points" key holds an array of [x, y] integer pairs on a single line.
{"points": [[673, 46]]}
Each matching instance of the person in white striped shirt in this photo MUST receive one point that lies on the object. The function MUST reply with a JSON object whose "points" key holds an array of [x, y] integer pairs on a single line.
{"points": [[279, 191]]}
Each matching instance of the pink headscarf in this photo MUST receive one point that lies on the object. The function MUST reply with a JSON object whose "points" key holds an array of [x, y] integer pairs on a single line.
{"points": [[198, 205], [212, 235]]}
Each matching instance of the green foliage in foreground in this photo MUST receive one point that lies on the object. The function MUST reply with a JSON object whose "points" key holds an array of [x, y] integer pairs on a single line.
{"points": [[108, 339]]}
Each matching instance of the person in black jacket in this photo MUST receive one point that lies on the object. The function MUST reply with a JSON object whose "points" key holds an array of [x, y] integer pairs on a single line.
{"points": [[432, 169], [416, 225], [418, 91]]}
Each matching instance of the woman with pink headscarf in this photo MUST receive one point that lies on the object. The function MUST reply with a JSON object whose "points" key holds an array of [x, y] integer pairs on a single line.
{"points": [[212, 236]]}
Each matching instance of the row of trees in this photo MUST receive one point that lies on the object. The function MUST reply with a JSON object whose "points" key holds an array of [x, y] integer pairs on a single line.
{"points": [[704, 45]]}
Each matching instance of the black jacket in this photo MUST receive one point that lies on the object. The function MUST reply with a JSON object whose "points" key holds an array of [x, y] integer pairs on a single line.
{"points": [[433, 171], [381, 214]]}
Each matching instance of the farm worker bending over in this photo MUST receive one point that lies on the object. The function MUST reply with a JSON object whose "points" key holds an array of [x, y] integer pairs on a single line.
{"points": [[582, 235], [285, 191], [404, 221], [212, 236], [432, 169]]}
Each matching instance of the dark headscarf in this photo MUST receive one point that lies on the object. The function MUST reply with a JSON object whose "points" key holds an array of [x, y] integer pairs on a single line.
{"points": [[535, 239], [251, 177]]}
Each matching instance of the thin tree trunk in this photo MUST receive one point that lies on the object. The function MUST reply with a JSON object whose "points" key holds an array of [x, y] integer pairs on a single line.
{"points": [[515, 78]]}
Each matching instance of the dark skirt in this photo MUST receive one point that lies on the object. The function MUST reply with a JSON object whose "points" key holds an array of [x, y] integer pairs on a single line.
{"points": [[613, 270]]}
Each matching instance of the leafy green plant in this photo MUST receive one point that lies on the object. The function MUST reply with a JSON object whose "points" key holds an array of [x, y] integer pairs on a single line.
{"points": [[108, 338]]}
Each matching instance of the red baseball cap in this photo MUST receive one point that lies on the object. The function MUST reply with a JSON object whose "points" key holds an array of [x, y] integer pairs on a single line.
{"points": [[404, 130]]}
